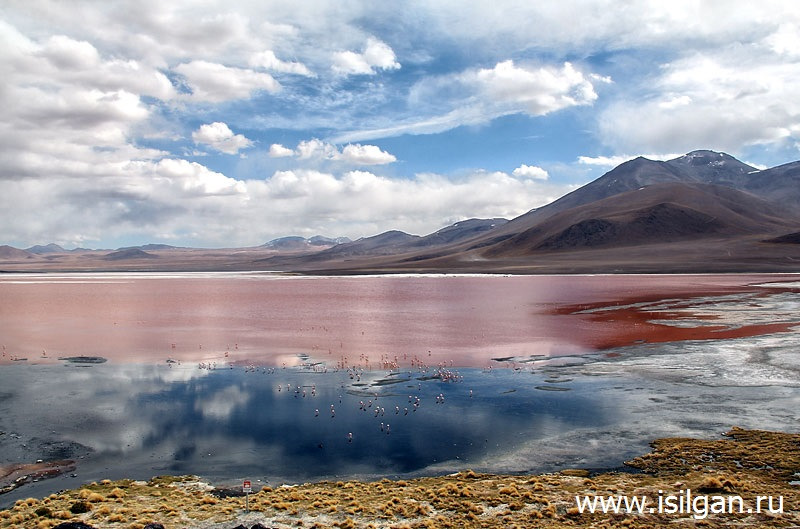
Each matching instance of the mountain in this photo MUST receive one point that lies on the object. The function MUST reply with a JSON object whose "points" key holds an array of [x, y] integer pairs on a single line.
{"points": [[789, 238], [48, 248], [779, 184], [287, 243], [463, 230], [386, 243], [702, 212], [665, 212], [9, 252], [128, 253], [691, 208], [151, 247], [297, 243]]}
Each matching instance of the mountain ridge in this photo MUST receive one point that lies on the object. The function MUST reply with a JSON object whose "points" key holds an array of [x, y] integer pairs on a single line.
{"points": [[701, 211]]}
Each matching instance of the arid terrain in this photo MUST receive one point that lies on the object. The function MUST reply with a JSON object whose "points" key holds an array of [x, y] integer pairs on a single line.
{"points": [[745, 464]]}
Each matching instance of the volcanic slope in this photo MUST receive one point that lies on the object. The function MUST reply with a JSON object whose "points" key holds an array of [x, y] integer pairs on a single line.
{"points": [[699, 209], [660, 212]]}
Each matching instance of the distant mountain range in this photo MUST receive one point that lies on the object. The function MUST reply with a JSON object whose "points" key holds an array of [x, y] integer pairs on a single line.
{"points": [[297, 243], [705, 211]]}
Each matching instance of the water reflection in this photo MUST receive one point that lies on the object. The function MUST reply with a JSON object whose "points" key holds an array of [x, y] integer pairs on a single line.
{"points": [[294, 424], [283, 425]]}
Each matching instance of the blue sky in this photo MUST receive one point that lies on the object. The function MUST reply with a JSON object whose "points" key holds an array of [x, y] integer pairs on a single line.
{"points": [[218, 124]]}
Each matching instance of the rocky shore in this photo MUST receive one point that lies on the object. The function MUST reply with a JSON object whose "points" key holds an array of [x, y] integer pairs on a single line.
{"points": [[743, 464]]}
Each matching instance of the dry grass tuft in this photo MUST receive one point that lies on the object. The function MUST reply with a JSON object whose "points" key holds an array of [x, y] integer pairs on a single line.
{"points": [[748, 462]]}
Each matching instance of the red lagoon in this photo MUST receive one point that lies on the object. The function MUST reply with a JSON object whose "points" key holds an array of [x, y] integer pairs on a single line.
{"points": [[274, 320]]}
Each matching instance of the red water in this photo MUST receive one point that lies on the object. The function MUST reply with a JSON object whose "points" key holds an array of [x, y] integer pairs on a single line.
{"points": [[458, 320]]}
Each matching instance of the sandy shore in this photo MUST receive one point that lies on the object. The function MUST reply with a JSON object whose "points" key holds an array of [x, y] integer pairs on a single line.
{"points": [[744, 464]]}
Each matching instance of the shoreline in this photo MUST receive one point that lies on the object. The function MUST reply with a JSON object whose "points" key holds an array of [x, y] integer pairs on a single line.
{"points": [[745, 463]]}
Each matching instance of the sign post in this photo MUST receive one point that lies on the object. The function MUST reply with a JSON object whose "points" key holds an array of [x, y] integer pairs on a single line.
{"points": [[247, 489]]}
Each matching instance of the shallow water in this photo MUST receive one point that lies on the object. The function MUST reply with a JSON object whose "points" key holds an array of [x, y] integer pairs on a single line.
{"points": [[270, 319], [518, 413]]}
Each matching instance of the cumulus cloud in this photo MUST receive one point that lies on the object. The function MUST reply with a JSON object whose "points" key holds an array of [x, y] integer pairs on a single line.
{"points": [[315, 149], [318, 150], [215, 83], [359, 203], [537, 91], [276, 150], [376, 55], [220, 137], [186, 201], [366, 155], [185, 179], [530, 171], [69, 54]]}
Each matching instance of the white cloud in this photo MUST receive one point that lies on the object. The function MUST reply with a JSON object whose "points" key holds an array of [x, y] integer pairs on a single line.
{"points": [[724, 99], [179, 200], [477, 96], [366, 155], [66, 53], [267, 59], [785, 40], [360, 203], [315, 150], [216, 83], [536, 91], [530, 171], [276, 150], [220, 137], [376, 55], [379, 55], [188, 179]]}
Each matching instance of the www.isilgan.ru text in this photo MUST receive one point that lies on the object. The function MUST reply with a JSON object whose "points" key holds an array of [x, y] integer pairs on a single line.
{"points": [[684, 502]]}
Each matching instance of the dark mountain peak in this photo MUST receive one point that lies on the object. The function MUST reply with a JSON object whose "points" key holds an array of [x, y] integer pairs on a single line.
{"points": [[129, 253], [712, 167], [703, 156], [391, 237], [47, 248]]}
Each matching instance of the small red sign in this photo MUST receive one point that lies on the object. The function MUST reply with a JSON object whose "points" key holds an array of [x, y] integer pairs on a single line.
{"points": [[246, 486]]}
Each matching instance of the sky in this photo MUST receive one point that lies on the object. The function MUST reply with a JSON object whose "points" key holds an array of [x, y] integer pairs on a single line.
{"points": [[228, 124]]}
